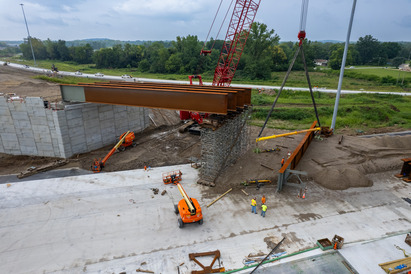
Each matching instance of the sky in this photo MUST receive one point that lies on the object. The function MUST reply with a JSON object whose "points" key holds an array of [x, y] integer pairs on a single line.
{"points": [[130, 20]]}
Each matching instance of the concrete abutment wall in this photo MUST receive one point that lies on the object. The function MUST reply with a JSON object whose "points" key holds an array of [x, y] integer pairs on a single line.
{"points": [[28, 128]]}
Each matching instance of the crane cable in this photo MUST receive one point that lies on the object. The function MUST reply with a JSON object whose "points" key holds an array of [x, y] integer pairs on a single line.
{"points": [[221, 26], [301, 37], [212, 24]]}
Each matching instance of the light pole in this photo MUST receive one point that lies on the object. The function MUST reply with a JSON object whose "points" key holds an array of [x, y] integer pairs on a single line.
{"points": [[28, 33], [347, 42]]}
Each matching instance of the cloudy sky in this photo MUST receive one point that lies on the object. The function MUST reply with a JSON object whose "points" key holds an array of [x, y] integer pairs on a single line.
{"points": [[167, 19]]}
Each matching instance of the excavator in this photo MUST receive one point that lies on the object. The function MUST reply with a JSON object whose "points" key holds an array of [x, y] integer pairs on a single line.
{"points": [[189, 208], [126, 140]]}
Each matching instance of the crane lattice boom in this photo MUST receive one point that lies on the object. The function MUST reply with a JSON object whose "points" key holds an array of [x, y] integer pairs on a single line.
{"points": [[240, 24]]}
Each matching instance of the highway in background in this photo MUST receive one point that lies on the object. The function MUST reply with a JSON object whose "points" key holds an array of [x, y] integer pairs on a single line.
{"points": [[136, 79]]}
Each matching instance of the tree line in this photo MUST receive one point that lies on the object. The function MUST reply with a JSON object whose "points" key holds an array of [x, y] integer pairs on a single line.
{"points": [[262, 54]]}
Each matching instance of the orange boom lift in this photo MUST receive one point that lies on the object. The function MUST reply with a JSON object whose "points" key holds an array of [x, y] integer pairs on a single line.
{"points": [[189, 208], [126, 139]]}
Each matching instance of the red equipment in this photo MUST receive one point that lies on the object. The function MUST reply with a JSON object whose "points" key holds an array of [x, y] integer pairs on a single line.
{"points": [[238, 30], [243, 17]]}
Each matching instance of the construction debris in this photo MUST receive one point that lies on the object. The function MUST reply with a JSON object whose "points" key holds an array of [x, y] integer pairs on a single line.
{"points": [[341, 139], [219, 197], [337, 242], [267, 167], [163, 192], [405, 170], [155, 190], [145, 271], [205, 183], [408, 239], [396, 266], [34, 170], [256, 259], [244, 192], [207, 269], [269, 254]]}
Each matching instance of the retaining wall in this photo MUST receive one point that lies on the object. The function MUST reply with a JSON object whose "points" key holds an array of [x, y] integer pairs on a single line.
{"points": [[27, 127]]}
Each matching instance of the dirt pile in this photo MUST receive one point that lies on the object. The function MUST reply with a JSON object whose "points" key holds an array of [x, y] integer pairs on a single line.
{"points": [[23, 84], [331, 165]]}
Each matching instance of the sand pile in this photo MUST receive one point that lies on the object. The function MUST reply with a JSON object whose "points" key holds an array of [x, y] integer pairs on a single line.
{"points": [[331, 165]]}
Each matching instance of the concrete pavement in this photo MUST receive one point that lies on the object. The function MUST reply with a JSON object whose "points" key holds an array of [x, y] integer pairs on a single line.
{"points": [[112, 222]]}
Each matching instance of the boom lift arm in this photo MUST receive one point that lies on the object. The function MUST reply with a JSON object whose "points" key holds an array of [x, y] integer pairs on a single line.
{"points": [[99, 165]]}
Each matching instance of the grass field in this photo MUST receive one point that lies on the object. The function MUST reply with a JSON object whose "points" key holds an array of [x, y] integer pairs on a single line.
{"points": [[361, 112]]}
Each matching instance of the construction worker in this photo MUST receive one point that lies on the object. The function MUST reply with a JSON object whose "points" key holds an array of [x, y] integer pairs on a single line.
{"points": [[263, 200], [263, 210], [254, 205], [282, 162], [288, 155]]}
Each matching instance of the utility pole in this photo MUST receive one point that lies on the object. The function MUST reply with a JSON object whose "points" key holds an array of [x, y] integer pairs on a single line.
{"points": [[347, 42], [28, 33]]}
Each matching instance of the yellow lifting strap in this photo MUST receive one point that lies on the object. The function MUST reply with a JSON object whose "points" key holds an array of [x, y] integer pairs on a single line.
{"points": [[287, 134]]}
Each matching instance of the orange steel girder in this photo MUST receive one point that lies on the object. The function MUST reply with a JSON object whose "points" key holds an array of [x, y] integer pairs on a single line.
{"points": [[207, 99]]}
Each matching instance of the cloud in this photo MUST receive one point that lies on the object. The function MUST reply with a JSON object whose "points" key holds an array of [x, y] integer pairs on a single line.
{"points": [[405, 21], [159, 7]]}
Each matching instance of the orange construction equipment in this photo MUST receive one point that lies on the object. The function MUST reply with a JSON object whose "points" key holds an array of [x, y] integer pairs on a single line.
{"points": [[172, 177], [128, 141], [189, 209], [98, 165]]}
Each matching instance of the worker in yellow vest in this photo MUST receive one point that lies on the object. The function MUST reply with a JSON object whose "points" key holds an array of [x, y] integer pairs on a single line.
{"points": [[254, 205], [263, 210]]}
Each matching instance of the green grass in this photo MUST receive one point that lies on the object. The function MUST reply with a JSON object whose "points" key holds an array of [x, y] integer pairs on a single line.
{"points": [[294, 110]]}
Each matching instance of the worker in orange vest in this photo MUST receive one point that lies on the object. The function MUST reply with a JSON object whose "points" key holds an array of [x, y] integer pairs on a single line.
{"points": [[282, 161], [254, 205], [263, 200]]}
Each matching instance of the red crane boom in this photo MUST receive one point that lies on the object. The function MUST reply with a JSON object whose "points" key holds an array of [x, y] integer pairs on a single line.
{"points": [[240, 24]]}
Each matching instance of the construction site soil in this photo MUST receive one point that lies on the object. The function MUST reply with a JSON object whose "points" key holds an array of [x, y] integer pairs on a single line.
{"points": [[329, 164]]}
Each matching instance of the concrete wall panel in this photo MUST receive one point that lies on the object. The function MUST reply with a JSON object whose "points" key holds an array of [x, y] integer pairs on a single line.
{"points": [[27, 128]]}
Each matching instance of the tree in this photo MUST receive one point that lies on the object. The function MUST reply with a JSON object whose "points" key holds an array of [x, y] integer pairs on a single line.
{"points": [[369, 48], [336, 58], [278, 58], [257, 52], [397, 61], [82, 54], [39, 49], [174, 63], [391, 49]]}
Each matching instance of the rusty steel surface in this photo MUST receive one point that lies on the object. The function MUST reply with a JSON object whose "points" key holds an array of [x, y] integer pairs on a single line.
{"points": [[178, 100], [243, 94], [209, 99], [209, 268], [299, 151]]}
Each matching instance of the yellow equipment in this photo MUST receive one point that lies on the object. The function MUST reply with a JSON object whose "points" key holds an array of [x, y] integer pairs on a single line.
{"points": [[287, 134]]}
